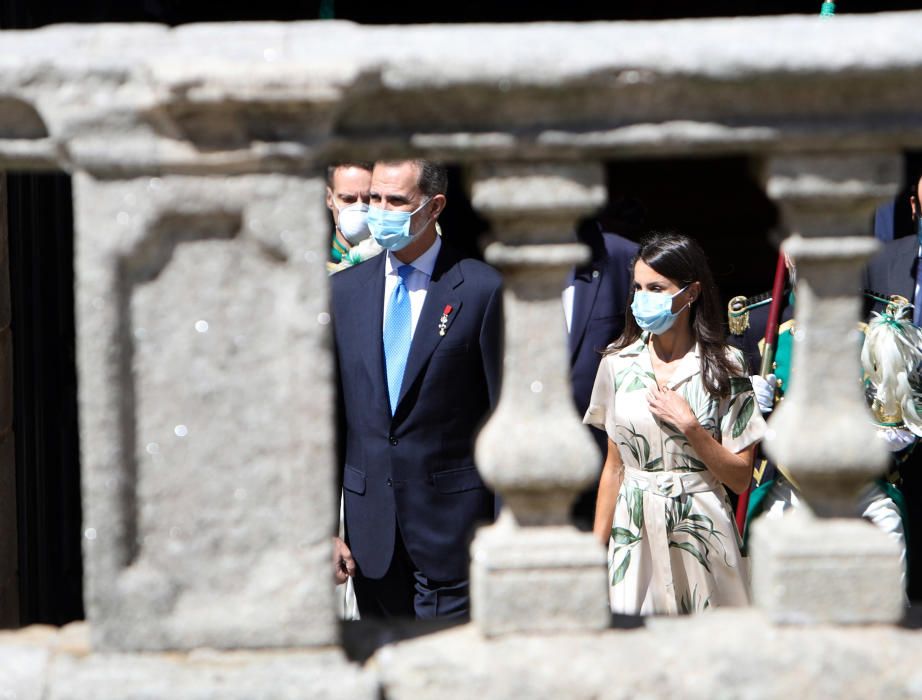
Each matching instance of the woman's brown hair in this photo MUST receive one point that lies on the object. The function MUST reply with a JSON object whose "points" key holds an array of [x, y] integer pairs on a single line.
{"points": [[681, 259]]}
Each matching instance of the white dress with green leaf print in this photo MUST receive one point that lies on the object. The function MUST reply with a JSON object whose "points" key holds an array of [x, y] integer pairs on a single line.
{"points": [[674, 546]]}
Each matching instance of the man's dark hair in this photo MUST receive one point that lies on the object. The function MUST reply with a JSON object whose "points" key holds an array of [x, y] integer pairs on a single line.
{"points": [[333, 167], [433, 177]]}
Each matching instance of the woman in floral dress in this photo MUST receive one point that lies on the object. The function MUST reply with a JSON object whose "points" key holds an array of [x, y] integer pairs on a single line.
{"points": [[682, 423]]}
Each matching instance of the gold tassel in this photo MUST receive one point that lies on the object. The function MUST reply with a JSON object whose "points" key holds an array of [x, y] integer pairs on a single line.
{"points": [[738, 315]]}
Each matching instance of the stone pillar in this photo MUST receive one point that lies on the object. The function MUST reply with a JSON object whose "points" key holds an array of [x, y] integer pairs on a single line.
{"points": [[206, 412], [9, 552], [532, 570], [824, 564]]}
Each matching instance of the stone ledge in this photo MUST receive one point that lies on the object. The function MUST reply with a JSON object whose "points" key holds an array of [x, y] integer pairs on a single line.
{"points": [[46, 663], [725, 653], [550, 255]]}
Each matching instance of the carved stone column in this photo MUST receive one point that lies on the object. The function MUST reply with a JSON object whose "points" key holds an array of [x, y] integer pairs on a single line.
{"points": [[532, 570], [826, 565], [203, 354]]}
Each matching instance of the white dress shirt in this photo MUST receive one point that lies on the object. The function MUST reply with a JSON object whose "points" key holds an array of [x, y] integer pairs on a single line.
{"points": [[567, 297], [417, 281]]}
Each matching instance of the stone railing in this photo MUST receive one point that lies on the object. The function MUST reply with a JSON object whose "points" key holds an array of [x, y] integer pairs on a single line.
{"points": [[206, 383]]}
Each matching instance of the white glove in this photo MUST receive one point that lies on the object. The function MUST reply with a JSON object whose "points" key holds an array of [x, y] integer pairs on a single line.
{"points": [[765, 391], [895, 438]]}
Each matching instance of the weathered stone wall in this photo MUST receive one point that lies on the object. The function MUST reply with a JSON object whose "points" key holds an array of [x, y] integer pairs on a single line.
{"points": [[205, 373], [205, 404]]}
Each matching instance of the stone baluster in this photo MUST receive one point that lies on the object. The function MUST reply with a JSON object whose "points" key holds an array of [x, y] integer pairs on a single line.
{"points": [[532, 570], [823, 564]]}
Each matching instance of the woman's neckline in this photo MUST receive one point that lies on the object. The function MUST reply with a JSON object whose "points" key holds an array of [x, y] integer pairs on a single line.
{"points": [[673, 364]]}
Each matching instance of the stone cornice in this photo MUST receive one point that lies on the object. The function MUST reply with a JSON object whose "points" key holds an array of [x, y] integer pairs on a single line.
{"points": [[227, 98]]}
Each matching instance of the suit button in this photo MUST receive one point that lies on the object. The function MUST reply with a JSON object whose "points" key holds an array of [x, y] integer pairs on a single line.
{"points": [[389, 482], [391, 439]]}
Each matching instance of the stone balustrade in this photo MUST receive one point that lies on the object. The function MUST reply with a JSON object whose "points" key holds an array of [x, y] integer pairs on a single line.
{"points": [[532, 571], [831, 568], [206, 390]]}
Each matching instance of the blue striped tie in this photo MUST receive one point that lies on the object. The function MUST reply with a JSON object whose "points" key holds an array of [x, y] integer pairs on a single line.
{"points": [[397, 334]]}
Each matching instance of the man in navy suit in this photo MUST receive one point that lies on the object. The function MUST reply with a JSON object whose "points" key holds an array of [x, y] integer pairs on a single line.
{"points": [[594, 301], [895, 269], [418, 338]]}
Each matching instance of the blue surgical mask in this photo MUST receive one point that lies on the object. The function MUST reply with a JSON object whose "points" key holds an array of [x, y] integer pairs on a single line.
{"points": [[391, 229], [919, 228], [653, 310]]}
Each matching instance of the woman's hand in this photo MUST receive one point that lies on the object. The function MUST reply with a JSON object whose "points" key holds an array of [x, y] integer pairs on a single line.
{"points": [[733, 469], [672, 408]]}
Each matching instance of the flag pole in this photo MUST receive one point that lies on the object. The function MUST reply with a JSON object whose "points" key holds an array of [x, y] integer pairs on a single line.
{"points": [[768, 361]]}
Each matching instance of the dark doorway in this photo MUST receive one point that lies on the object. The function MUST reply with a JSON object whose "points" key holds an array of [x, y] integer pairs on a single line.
{"points": [[718, 201], [45, 397]]}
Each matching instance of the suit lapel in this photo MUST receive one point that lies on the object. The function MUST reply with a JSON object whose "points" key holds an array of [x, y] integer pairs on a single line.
{"points": [[367, 322], [442, 292], [585, 289]]}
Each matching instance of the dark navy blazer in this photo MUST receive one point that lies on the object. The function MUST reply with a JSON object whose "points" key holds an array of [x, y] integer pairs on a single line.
{"points": [[893, 270], [416, 469], [600, 293]]}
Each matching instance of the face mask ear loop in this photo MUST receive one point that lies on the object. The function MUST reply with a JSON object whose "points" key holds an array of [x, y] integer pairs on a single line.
{"points": [[421, 205], [423, 227], [677, 294], [688, 305]]}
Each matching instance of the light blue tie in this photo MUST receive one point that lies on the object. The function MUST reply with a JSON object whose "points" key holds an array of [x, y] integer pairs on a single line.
{"points": [[397, 334]]}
